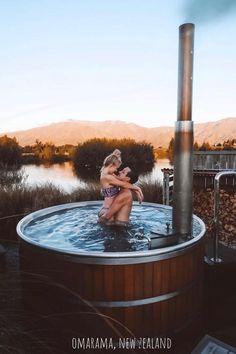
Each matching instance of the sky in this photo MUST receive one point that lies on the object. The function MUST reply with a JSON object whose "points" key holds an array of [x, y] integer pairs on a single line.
{"points": [[112, 60]]}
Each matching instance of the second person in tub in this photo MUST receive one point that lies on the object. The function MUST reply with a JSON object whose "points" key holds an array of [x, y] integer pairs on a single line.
{"points": [[116, 191]]}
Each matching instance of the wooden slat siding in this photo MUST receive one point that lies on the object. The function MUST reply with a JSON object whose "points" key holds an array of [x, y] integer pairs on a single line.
{"points": [[164, 316], [188, 303], [76, 275], [109, 280], [164, 289], [98, 283], [191, 304], [173, 274], [139, 282], [167, 309], [139, 286], [148, 279], [183, 309], [138, 320], [171, 314], [82, 290], [196, 300], [147, 317], [191, 261], [157, 272], [129, 272], [128, 282], [201, 257], [82, 287], [69, 278], [173, 286], [165, 279], [185, 269], [148, 292], [200, 293], [147, 320], [197, 265], [156, 308], [118, 314], [118, 283], [129, 322], [179, 311], [115, 318], [183, 272], [189, 294], [195, 262], [119, 291], [106, 322]]}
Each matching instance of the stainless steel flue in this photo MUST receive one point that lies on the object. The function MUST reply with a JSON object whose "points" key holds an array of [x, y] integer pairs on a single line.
{"points": [[183, 147]]}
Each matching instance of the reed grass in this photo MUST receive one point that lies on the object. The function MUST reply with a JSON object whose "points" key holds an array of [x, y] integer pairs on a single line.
{"points": [[152, 190]]}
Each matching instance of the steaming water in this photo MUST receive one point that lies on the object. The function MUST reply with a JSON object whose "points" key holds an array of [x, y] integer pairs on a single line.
{"points": [[77, 229]]}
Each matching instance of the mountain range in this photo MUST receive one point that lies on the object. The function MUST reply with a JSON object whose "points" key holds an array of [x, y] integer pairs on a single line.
{"points": [[78, 131]]}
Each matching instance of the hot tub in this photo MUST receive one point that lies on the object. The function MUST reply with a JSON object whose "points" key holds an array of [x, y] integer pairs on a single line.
{"points": [[148, 292]]}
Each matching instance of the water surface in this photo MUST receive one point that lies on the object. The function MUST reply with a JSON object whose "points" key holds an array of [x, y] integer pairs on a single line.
{"points": [[77, 229], [62, 175]]}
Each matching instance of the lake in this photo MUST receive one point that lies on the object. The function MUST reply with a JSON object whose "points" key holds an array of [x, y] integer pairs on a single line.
{"points": [[62, 175]]}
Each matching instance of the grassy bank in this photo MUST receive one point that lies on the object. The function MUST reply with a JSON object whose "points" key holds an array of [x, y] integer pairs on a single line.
{"points": [[19, 200]]}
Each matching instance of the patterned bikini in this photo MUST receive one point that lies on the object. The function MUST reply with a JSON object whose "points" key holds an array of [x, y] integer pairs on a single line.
{"points": [[108, 192]]}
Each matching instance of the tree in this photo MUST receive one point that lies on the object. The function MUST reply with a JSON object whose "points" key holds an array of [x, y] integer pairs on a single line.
{"points": [[10, 151], [205, 146], [48, 152], [44, 152], [170, 150], [89, 156]]}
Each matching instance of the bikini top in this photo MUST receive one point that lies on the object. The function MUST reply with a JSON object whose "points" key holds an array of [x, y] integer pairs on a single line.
{"points": [[110, 191]]}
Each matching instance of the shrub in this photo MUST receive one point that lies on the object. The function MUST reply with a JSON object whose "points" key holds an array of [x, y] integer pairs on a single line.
{"points": [[89, 156], [10, 151], [10, 175]]}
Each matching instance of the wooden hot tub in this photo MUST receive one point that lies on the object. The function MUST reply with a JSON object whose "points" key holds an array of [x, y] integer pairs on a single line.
{"points": [[150, 292]]}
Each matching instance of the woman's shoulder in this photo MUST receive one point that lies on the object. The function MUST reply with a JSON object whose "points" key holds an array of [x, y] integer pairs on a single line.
{"points": [[104, 178]]}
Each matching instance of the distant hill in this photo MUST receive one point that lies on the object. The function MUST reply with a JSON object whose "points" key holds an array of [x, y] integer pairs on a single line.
{"points": [[74, 132]]}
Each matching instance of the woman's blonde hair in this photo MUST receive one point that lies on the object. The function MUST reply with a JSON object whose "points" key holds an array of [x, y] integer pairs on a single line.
{"points": [[112, 159]]}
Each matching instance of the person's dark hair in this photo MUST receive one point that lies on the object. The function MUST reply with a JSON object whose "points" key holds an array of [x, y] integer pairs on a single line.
{"points": [[133, 175]]}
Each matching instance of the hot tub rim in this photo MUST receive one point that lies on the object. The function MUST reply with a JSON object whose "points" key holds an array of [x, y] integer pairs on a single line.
{"points": [[109, 257]]}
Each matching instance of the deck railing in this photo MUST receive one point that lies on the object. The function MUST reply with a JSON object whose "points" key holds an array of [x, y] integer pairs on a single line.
{"points": [[216, 258], [168, 180]]}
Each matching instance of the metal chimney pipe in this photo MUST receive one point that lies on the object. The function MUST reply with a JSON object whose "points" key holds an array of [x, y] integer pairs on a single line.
{"points": [[183, 146]]}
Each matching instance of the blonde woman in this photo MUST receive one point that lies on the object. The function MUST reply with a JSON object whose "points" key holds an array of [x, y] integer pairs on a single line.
{"points": [[117, 194]]}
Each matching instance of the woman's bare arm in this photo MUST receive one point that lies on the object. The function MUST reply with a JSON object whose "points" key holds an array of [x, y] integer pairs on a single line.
{"points": [[124, 184]]}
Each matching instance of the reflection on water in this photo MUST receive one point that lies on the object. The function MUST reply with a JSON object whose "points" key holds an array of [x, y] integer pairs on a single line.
{"points": [[156, 173], [62, 175]]}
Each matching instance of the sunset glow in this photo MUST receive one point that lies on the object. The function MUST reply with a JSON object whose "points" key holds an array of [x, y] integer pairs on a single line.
{"points": [[110, 60]]}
